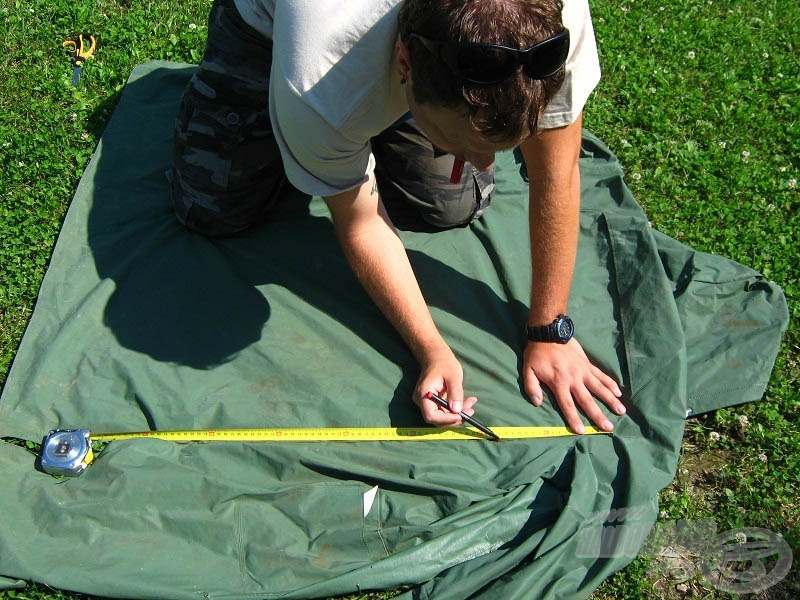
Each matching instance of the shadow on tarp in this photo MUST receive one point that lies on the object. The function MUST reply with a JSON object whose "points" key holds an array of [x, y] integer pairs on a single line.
{"points": [[188, 300]]}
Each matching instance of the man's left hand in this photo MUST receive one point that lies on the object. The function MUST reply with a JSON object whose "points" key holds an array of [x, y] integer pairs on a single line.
{"points": [[573, 379]]}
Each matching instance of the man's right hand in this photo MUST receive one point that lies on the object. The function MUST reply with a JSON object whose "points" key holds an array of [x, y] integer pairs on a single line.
{"points": [[442, 374]]}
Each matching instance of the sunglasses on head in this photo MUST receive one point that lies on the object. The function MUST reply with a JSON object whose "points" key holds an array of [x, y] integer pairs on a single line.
{"points": [[490, 64]]}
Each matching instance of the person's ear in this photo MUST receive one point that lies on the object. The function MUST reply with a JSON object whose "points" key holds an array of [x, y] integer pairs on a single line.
{"points": [[403, 60]]}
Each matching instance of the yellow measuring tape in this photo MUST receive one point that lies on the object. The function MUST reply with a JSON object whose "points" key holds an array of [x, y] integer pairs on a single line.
{"points": [[68, 452], [339, 434]]}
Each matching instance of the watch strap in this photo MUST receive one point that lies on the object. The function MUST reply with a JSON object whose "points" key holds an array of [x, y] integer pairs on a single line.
{"points": [[550, 332]]}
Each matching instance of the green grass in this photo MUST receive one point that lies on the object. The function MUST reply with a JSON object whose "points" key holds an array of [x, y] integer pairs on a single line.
{"points": [[698, 100]]}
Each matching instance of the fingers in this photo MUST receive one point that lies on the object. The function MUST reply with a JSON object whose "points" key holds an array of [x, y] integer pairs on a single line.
{"points": [[533, 388], [437, 415], [607, 390], [446, 386], [569, 411], [571, 399], [455, 399], [588, 406], [468, 404], [434, 414]]}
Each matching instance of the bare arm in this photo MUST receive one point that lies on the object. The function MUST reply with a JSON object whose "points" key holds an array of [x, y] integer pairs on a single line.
{"points": [[551, 158], [379, 260]]}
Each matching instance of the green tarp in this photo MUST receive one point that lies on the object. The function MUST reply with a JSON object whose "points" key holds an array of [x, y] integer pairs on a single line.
{"points": [[143, 325]]}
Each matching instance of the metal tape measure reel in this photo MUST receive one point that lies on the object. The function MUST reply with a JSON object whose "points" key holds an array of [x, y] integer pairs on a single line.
{"points": [[66, 452]]}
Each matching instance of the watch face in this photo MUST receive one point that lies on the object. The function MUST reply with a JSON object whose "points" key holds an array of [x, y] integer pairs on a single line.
{"points": [[565, 328]]}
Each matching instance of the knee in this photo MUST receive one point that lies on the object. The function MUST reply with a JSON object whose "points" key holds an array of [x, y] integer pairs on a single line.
{"points": [[461, 204], [195, 212], [430, 198], [219, 213]]}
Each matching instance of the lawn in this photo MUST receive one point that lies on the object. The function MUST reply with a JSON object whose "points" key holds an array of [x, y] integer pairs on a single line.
{"points": [[699, 100]]}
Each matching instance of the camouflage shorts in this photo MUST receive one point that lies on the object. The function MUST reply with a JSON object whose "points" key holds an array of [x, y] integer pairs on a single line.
{"points": [[227, 172]]}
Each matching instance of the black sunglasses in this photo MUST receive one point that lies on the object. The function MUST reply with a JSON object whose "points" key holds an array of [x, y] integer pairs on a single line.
{"points": [[490, 64]]}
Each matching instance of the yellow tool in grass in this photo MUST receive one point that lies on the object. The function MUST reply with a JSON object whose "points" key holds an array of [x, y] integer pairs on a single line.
{"points": [[80, 52], [68, 452]]}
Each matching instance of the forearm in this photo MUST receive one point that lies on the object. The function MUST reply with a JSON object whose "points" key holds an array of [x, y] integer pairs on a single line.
{"points": [[379, 261], [554, 213], [385, 272], [554, 242]]}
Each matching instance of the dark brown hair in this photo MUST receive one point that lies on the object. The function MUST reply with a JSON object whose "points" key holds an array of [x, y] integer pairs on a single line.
{"points": [[507, 111]]}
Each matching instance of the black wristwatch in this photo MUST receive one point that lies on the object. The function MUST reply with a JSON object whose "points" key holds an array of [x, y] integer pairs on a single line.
{"points": [[559, 331]]}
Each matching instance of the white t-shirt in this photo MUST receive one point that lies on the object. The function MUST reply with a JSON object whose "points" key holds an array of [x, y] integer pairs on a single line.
{"points": [[334, 84]]}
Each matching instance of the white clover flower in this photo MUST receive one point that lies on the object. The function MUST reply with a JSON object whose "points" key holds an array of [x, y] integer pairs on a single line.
{"points": [[690, 55], [714, 436], [723, 145], [743, 420], [745, 155], [192, 26], [762, 457], [793, 183]]}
